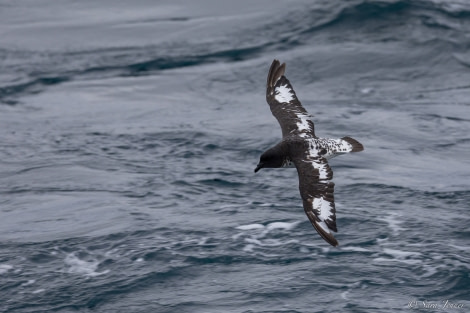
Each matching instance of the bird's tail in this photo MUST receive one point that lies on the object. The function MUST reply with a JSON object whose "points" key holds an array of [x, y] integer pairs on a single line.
{"points": [[356, 146], [342, 146]]}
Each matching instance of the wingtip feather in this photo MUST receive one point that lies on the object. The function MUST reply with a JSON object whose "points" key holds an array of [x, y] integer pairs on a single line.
{"points": [[328, 237], [276, 71]]}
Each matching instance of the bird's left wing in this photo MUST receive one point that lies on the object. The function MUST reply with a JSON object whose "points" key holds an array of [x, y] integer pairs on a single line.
{"points": [[284, 105], [316, 189]]}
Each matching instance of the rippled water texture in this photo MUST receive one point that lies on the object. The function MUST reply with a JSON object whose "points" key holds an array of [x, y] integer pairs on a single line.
{"points": [[130, 132]]}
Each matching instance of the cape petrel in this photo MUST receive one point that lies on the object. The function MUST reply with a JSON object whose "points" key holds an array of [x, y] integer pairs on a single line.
{"points": [[308, 153]]}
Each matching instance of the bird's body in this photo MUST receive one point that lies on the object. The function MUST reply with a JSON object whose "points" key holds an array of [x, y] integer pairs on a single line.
{"points": [[301, 148]]}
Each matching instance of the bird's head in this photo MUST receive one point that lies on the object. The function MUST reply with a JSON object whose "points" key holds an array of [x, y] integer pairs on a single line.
{"points": [[269, 158]]}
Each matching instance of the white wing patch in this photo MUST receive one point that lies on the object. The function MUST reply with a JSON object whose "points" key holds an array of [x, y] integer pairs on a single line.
{"points": [[283, 94], [324, 170], [303, 125], [314, 155], [324, 210]]}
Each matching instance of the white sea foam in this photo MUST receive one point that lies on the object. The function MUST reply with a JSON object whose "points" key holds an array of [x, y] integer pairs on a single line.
{"points": [[250, 226], [270, 226], [303, 249], [78, 266], [357, 249], [408, 257], [393, 223], [399, 254], [270, 242], [255, 235], [236, 236], [5, 268], [254, 241], [267, 204], [29, 282], [430, 270], [236, 205], [366, 90], [248, 248], [282, 225], [462, 248], [407, 261]]}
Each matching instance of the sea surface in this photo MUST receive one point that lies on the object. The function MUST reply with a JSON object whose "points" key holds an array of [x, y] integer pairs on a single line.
{"points": [[130, 131]]}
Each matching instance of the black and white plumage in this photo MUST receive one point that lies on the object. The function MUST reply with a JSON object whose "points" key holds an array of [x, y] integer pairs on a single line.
{"points": [[308, 153]]}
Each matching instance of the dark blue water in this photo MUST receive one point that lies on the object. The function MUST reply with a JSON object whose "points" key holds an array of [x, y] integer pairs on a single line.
{"points": [[130, 132]]}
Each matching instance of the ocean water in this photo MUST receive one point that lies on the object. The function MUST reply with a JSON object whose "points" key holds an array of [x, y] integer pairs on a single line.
{"points": [[130, 132]]}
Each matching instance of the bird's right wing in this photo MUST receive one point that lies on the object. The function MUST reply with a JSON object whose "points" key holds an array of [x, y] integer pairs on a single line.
{"points": [[285, 106], [316, 189]]}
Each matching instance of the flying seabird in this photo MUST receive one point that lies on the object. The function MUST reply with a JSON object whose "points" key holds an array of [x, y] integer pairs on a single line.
{"points": [[308, 153]]}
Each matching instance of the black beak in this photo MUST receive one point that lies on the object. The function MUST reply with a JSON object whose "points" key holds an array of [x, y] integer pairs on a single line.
{"points": [[258, 167]]}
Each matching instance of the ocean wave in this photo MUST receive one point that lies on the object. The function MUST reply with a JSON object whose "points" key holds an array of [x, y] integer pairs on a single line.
{"points": [[83, 267], [85, 66], [358, 21], [373, 9]]}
